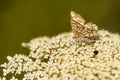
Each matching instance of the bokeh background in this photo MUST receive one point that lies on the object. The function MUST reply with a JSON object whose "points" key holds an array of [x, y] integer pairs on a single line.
{"points": [[23, 20]]}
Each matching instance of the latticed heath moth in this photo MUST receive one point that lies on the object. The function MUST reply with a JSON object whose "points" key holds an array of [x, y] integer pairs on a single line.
{"points": [[83, 32]]}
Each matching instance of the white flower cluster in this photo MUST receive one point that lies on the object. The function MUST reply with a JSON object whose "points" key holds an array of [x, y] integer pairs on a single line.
{"points": [[62, 58]]}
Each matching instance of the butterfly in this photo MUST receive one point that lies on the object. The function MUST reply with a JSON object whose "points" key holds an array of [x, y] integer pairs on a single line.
{"points": [[83, 32]]}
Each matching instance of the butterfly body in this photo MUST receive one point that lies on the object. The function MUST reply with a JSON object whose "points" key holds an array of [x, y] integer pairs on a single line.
{"points": [[83, 32]]}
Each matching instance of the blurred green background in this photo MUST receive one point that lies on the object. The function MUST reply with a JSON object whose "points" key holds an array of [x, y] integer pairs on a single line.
{"points": [[23, 20]]}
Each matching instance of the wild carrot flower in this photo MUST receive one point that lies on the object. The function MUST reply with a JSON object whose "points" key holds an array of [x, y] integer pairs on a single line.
{"points": [[62, 58]]}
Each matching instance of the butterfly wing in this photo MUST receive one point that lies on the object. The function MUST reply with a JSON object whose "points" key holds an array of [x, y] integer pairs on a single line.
{"points": [[77, 23], [77, 18], [91, 29]]}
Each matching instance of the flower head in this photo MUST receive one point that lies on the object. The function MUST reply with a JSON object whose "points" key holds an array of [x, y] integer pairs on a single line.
{"points": [[62, 58]]}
